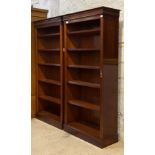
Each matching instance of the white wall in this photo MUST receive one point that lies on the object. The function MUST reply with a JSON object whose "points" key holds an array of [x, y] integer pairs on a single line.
{"points": [[51, 5], [61, 7]]}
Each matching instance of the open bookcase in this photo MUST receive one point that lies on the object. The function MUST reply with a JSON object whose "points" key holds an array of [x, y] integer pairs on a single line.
{"points": [[50, 71], [77, 71], [91, 56]]}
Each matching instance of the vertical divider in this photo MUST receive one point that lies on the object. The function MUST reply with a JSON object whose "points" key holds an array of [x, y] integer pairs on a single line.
{"points": [[101, 73], [61, 73], [65, 70]]}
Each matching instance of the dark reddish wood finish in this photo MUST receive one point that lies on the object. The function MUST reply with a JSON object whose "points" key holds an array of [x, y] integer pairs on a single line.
{"points": [[77, 74], [91, 63], [50, 71]]}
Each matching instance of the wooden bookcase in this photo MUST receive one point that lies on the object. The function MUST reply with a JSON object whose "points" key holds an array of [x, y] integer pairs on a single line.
{"points": [[50, 71], [77, 74], [91, 63]]}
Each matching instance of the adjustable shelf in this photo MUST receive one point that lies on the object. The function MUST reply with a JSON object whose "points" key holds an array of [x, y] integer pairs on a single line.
{"points": [[48, 116], [49, 50], [84, 104], [82, 49], [50, 71], [83, 66], [86, 84], [49, 64], [50, 99], [49, 35], [50, 81]]}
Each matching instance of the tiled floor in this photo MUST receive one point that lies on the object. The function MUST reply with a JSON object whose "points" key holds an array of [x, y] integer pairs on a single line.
{"points": [[48, 140]]}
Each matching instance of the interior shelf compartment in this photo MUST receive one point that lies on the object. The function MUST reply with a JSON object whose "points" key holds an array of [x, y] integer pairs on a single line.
{"points": [[49, 73], [49, 57], [86, 58], [49, 50], [84, 26], [48, 111], [48, 43], [47, 116], [84, 76], [54, 30], [85, 32], [50, 81], [84, 95], [45, 89], [83, 35], [50, 99], [83, 42], [84, 104], [84, 120]]}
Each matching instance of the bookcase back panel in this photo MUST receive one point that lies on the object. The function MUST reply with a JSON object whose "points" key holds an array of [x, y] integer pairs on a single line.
{"points": [[84, 25], [49, 107], [91, 41], [49, 90], [52, 73], [89, 116], [83, 116], [86, 75], [53, 108], [46, 57], [50, 30], [84, 58], [48, 43], [83, 93]]}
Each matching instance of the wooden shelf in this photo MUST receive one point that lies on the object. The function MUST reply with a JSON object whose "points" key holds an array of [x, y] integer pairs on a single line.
{"points": [[48, 35], [86, 32], [83, 49], [83, 66], [50, 82], [82, 83], [49, 50], [48, 116], [49, 64], [85, 128], [50, 99], [84, 104]]}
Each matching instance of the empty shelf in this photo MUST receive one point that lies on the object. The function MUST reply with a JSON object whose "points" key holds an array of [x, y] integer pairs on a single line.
{"points": [[49, 64], [50, 81], [82, 83], [84, 104], [48, 35], [87, 31], [51, 99], [84, 66], [49, 50], [86, 128], [47, 116], [83, 49]]}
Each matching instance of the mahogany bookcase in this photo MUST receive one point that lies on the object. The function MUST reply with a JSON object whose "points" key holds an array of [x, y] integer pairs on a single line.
{"points": [[50, 71], [78, 73]]}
